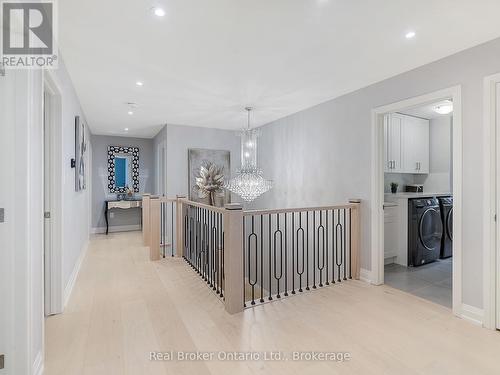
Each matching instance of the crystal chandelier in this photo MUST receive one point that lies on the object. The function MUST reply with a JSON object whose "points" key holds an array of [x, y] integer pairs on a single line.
{"points": [[249, 183]]}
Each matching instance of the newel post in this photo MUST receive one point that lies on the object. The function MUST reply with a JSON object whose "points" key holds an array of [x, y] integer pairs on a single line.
{"points": [[181, 209], [355, 238], [145, 218], [154, 222], [233, 257]]}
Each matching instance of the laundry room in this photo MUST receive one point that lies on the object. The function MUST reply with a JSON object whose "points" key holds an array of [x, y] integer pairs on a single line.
{"points": [[418, 201]]}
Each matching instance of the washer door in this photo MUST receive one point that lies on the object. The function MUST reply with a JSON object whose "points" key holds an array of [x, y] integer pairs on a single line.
{"points": [[449, 224], [430, 229]]}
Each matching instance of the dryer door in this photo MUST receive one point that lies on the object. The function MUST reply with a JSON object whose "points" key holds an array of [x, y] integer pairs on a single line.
{"points": [[449, 224], [430, 229]]}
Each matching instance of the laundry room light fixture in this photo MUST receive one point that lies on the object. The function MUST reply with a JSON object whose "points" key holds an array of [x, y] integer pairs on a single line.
{"points": [[444, 109], [249, 183]]}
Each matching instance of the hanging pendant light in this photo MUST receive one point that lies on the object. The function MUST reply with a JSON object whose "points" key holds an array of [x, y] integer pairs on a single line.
{"points": [[249, 183]]}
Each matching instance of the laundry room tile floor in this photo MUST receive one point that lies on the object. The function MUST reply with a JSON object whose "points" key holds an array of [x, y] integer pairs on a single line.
{"points": [[432, 281]]}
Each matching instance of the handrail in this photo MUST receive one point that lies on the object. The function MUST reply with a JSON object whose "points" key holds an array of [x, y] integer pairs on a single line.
{"points": [[299, 209], [202, 205], [165, 199]]}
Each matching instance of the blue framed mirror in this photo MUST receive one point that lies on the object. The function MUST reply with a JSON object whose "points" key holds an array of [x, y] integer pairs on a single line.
{"points": [[123, 169]]}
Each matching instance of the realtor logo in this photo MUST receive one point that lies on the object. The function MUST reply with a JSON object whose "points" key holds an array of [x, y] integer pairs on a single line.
{"points": [[28, 34]]}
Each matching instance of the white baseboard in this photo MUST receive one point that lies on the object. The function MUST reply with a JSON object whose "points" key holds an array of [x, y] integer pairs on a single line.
{"points": [[38, 365], [365, 275], [472, 314], [72, 279], [117, 228]]}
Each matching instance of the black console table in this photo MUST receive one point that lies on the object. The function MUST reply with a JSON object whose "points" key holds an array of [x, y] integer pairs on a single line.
{"points": [[124, 204]]}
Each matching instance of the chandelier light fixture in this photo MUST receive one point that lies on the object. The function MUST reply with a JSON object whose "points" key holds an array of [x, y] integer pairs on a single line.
{"points": [[249, 183]]}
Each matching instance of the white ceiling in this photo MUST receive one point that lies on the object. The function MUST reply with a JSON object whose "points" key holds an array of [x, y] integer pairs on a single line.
{"points": [[205, 61], [427, 111]]}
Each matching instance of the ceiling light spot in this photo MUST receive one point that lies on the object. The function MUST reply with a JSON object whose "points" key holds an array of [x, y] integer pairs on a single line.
{"points": [[126, 129], [139, 83], [130, 113], [159, 12], [444, 109], [410, 35]]}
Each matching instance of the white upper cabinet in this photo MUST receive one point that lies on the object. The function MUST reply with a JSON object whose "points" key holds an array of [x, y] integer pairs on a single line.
{"points": [[393, 143], [406, 146]]}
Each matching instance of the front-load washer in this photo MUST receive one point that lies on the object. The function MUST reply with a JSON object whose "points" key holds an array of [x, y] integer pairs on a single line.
{"points": [[446, 208], [425, 230]]}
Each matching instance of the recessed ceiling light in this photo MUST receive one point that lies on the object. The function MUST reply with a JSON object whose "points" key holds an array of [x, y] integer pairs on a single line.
{"points": [[130, 112], [126, 129], [410, 35], [444, 109], [159, 12], [139, 83]]}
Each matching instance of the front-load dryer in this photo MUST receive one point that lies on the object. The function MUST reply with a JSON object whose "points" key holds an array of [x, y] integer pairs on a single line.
{"points": [[446, 207], [425, 230]]}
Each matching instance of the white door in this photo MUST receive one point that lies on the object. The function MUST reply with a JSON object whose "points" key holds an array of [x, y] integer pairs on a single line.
{"points": [[47, 248], [498, 204], [7, 244]]}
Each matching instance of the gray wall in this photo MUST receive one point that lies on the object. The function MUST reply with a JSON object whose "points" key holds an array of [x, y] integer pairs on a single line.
{"points": [[179, 139], [322, 155], [100, 191]]}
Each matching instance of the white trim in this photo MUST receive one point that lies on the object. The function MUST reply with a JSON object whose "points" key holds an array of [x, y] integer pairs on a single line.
{"points": [[38, 365], [116, 228], [377, 182], [74, 275], [56, 277], [489, 200], [472, 314], [365, 275]]}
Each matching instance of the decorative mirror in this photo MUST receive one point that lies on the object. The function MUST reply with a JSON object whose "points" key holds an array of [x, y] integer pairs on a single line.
{"points": [[123, 169]]}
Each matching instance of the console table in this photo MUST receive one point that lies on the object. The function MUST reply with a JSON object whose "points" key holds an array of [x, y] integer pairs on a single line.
{"points": [[124, 204]]}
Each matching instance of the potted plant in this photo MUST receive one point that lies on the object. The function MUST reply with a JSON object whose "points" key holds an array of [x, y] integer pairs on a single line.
{"points": [[394, 187]]}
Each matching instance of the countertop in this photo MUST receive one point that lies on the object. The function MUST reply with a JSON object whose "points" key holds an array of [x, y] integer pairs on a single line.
{"points": [[391, 197]]}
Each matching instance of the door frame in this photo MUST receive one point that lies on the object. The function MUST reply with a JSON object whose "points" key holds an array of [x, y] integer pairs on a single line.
{"points": [[377, 183], [491, 230], [56, 173]]}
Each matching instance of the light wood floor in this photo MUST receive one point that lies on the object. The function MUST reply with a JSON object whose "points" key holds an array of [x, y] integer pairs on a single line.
{"points": [[123, 307]]}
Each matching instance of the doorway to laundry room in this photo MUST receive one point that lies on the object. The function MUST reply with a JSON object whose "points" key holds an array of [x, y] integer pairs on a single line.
{"points": [[417, 189]]}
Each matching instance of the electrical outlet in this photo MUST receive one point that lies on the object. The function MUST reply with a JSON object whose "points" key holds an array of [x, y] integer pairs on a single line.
{"points": [[111, 215]]}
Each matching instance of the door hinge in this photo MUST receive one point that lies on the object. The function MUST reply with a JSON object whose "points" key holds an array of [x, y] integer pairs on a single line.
{"points": [[46, 215], [2, 361], [495, 217]]}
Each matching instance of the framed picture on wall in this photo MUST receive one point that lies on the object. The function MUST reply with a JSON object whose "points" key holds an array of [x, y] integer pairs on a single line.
{"points": [[80, 155], [207, 171]]}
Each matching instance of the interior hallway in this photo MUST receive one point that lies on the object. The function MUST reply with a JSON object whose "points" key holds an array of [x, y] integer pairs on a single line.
{"points": [[124, 306]]}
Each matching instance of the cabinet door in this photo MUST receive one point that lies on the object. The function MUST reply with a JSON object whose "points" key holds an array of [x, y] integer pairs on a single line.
{"points": [[422, 152], [394, 136], [391, 232], [415, 148]]}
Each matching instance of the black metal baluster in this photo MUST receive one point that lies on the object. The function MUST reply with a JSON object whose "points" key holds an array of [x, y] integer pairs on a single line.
{"points": [[327, 248], [344, 235], [314, 249], [321, 265], [261, 258], [301, 231], [334, 245], [350, 243], [269, 251], [280, 233], [172, 230], [339, 237], [249, 245], [293, 253], [307, 250], [286, 257]]}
